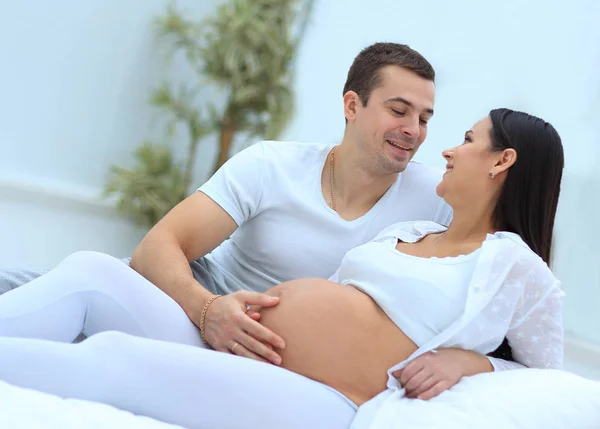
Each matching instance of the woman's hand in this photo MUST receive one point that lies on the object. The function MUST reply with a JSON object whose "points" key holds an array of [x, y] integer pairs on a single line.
{"points": [[229, 329], [434, 372]]}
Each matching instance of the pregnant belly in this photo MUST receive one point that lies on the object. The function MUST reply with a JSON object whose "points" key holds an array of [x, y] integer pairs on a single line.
{"points": [[336, 335]]}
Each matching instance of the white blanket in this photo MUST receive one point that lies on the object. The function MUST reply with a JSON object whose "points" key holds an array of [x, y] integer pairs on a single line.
{"points": [[518, 399], [22, 408]]}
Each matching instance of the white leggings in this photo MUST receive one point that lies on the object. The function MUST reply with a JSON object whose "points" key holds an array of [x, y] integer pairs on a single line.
{"points": [[177, 383], [91, 292]]}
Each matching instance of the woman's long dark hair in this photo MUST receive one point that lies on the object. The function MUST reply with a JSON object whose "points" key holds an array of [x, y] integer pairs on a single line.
{"points": [[529, 197]]}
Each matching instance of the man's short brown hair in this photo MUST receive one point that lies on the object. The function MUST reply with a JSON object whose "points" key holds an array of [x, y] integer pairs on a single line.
{"points": [[363, 76]]}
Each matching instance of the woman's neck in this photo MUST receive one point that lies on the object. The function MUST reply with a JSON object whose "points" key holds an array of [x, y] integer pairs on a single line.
{"points": [[470, 224]]}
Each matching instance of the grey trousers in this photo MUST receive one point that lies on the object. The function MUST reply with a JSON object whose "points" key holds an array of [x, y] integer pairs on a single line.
{"points": [[10, 279], [13, 278]]}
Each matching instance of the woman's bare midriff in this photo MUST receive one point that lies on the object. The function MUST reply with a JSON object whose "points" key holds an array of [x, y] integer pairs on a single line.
{"points": [[336, 335]]}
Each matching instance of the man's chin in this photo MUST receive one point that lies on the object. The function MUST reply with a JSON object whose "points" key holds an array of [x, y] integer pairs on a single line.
{"points": [[400, 165], [397, 168], [389, 165]]}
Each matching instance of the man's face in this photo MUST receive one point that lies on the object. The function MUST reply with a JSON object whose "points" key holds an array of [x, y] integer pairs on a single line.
{"points": [[391, 127]]}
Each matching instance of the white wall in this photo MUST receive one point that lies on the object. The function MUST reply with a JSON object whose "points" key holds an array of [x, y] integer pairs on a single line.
{"points": [[541, 56], [74, 85], [75, 78], [43, 224]]}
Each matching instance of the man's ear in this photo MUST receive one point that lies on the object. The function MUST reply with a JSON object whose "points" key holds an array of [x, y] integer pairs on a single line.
{"points": [[351, 104]]}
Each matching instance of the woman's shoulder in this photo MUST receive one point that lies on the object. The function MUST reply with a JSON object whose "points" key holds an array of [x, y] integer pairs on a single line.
{"points": [[509, 242], [527, 264]]}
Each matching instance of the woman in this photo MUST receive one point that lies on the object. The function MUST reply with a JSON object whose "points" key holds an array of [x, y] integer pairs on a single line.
{"points": [[416, 288]]}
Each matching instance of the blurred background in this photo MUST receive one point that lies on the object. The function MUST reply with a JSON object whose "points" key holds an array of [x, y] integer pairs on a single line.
{"points": [[112, 111]]}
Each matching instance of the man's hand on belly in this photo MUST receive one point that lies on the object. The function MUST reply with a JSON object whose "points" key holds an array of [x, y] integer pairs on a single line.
{"points": [[228, 327]]}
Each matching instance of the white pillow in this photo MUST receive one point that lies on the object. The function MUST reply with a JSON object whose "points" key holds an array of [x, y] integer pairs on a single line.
{"points": [[515, 399]]}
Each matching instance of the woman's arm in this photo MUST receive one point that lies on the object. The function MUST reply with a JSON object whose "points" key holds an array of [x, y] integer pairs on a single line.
{"points": [[536, 335], [432, 373], [503, 364]]}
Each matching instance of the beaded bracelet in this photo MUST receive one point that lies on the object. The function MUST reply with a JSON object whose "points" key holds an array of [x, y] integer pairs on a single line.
{"points": [[203, 316]]}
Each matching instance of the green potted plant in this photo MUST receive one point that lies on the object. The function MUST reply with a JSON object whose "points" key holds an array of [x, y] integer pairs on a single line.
{"points": [[244, 50]]}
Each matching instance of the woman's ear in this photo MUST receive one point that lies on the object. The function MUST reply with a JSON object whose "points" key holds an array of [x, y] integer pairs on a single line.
{"points": [[506, 160]]}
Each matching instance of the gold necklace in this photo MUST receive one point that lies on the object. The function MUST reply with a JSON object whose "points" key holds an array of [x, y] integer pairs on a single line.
{"points": [[332, 159]]}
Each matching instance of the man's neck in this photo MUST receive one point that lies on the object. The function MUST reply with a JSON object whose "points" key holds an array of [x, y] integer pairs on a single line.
{"points": [[356, 188]]}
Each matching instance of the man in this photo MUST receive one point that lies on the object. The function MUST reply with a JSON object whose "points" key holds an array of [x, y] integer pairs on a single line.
{"points": [[278, 211], [294, 209]]}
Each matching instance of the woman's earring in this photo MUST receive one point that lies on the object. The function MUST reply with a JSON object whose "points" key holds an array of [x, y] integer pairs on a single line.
{"points": [[492, 175]]}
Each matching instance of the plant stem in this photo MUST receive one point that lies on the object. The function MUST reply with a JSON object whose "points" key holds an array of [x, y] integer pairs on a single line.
{"points": [[191, 159], [305, 16], [225, 138]]}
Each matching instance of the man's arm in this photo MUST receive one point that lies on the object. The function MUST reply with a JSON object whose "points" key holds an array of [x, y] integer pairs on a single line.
{"points": [[192, 229], [189, 231]]}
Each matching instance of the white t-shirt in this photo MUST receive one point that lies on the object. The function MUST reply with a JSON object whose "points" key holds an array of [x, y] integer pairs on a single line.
{"points": [[286, 230], [422, 296]]}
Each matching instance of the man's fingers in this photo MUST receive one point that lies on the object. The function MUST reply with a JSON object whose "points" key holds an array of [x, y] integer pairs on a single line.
{"points": [[228, 322], [434, 391], [262, 334], [259, 349], [253, 311], [242, 351], [260, 299]]}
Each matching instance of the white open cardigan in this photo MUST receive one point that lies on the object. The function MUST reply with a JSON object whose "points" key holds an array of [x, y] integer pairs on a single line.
{"points": [[512, 294]]}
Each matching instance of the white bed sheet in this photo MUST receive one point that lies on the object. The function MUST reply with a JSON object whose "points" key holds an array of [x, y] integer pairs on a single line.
{"points": [[22, 408]]}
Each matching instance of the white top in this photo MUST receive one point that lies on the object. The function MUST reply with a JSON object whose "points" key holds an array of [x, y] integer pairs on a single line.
{"points": [[286, 229], [422, 296], [512, 293]]}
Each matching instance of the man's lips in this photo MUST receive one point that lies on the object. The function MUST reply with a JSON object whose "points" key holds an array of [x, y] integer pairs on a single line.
{"points": [[400, 145]]}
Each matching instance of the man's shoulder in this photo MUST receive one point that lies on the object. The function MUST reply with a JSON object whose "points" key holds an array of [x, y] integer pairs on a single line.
{"points": [[419, 171], [420, 178], [290, 148], [418, 191], [288, 158]]}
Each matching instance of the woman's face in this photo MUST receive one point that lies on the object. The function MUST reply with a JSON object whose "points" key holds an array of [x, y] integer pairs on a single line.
{"points": [[467, 178]]}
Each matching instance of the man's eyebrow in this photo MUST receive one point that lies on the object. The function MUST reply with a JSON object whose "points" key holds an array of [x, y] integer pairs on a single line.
{"points": [[405, 101]]}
